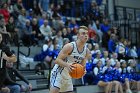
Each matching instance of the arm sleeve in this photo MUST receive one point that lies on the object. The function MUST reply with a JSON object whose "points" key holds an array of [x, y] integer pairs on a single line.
{"points": [[20, 76], [9, 81]]}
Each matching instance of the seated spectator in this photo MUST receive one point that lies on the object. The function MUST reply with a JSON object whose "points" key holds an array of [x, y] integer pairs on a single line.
{"points": [[114, 59], [30, 14], [28, 37], [133, 52], [116, 78], [13, 73], [45, 30], [95, 50], [133, 75], [105, 57], [88, 78], [22, 19], [6, 35], [109, 76], [41, 20], [124, 76], [6, 56], [120, 49], [4, 11], [59, 39], [35, 28], [99, 78], [73, 25], [11, 28], [98, 57]]}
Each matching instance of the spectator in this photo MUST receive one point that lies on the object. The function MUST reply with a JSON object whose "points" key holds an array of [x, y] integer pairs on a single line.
{"points": [[6, 55], [11, 28], [6, 35], [13, 73], [88, 78], [28, 37], [30, 14], [107, 70], [70, 35], [112, 43], [124, 76], [57, 23], [120, 49], [27, 4], [36, 8], [59, 39], [105, 57], [133, 75], [133, 52], [114, 59], [99, 80], [73, 25], [35, 28], [98, 57], [44, 5], [92, 35], [95, 50], [45, 30], [4, 11], [105, 27], [96, 27], [48, 45], [41, 20], [22, 19]]}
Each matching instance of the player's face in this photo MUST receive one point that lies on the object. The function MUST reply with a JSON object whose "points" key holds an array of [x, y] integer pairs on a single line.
{"points": [[83, 35]]}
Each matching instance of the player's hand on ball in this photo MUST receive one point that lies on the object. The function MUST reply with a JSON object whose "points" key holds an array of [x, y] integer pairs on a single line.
{"points": [[70, 67]]}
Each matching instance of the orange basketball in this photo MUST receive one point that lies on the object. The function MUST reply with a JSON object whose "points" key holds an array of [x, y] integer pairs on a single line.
{"points": [[77, 72]]}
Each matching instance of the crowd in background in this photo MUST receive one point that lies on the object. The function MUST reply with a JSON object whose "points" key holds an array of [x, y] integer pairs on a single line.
{"points": [[45, 22]]}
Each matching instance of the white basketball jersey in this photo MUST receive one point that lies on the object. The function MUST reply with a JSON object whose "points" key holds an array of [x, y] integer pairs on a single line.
{"points": [[74, 57]]}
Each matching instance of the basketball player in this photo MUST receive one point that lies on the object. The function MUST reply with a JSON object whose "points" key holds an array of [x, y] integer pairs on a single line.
{"points": [[5, 55], [74, 52]]}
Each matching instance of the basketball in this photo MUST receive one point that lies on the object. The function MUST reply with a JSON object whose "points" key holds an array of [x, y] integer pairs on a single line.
{"points": [[77, 72]]}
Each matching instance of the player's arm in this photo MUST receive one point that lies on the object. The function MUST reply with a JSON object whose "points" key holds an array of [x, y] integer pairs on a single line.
{"points": [[67, 49], [88, 56]]}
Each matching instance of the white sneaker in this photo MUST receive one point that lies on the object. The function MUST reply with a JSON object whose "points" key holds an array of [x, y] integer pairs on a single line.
{"points": [[128, 91]]}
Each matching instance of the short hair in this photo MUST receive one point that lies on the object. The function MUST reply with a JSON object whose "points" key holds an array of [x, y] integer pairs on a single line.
{"points": [[83, 27]]}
